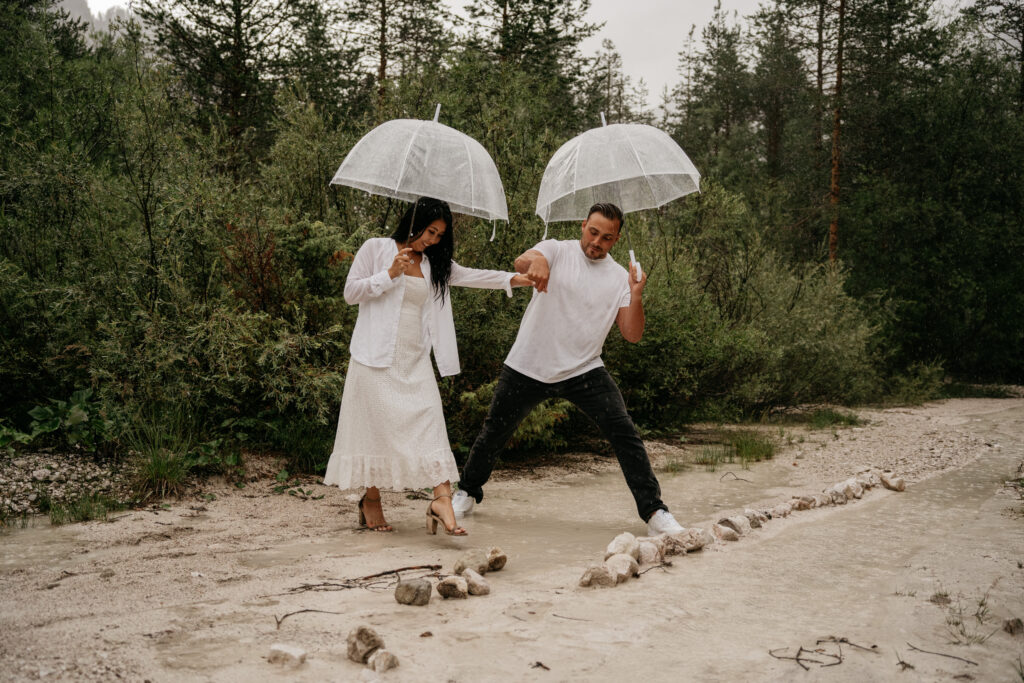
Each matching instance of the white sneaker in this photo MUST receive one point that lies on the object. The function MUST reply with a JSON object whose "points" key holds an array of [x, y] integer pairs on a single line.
{"points": [[662, 522], [462, 503]]}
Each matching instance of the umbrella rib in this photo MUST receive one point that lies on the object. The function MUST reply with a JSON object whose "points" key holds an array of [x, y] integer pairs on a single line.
{"points": [[405, 158], [639, 163], [472, 185]]}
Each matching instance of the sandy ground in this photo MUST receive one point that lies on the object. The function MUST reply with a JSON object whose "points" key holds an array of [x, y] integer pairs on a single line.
{"points": [[194, 591]]}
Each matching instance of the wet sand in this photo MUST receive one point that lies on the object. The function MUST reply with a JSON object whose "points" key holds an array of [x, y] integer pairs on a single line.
{"points": [[193, 592]]}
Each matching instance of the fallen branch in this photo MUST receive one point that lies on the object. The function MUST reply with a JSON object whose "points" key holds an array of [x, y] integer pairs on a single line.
{"points": [[661, 565], [573, 618], [300, 612], [900, 663], [361, 582], [734, 477], [797, 658], [432, 567], [941, 654], [833, 639], [539, 665]]}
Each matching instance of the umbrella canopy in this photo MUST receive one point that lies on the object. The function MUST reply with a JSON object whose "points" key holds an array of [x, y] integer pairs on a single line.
{"points": [[411, 158], [631, 165]]}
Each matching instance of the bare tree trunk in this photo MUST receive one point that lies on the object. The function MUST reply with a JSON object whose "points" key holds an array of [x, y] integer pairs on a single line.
{"points": [[833, 228], [820, 49], [382, 51]]}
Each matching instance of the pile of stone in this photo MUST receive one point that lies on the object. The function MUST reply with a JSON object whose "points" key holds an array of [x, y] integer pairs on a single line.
{"points": [[365, 646], [466, 579], [33, 481], [627, 554]]}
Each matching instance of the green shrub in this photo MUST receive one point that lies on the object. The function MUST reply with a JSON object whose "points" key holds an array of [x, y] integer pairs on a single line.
{"points": [[538, 430], [921, 382]]}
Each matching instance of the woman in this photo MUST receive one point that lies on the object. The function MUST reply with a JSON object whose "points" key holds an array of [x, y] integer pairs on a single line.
{"points": [[391, 430]]}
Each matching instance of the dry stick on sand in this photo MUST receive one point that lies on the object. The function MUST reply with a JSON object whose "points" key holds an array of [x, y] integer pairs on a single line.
{"points": [[941, 654], [361, 582], [797, 659], [734, 477], [900, 663], [833, 639], [660, 565], [300, 612]]}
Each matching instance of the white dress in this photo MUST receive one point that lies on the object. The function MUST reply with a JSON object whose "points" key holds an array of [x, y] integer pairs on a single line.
{"points": [[391, 431]]}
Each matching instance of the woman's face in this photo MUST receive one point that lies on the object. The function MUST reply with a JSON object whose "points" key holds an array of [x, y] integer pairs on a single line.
{"points": [[430, 236]]}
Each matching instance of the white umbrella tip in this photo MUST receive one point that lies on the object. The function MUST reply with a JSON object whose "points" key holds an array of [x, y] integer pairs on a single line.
{"points": [[437, 112]]}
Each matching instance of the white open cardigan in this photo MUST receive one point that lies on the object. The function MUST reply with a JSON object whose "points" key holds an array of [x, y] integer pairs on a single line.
{"points": [[380, 303]]}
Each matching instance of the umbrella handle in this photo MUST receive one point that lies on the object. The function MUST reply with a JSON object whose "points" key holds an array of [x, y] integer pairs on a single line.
{"points": [[639, 270]]}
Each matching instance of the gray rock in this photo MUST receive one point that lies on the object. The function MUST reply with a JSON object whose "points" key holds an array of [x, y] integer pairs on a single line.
{"points": [[453, 587], [659, 542], [725, 533], [413, 592], [362, 641], [475, 584], [597, 575], [738, 523], [496, 560], [622, 566], [288, 655], [474, 559], [623, 544], [893, 483], [852, 489], [41, 475], [755, 518], [822, 499], [837, 496], [782, 510], [650, 553], [688, 541], [382, 660]]}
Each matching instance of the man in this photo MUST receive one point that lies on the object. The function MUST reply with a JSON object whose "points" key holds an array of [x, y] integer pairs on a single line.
{"points": [[580, 293]]}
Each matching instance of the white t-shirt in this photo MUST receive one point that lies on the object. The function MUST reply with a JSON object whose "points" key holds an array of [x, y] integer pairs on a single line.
{"points": [[563, 329]]}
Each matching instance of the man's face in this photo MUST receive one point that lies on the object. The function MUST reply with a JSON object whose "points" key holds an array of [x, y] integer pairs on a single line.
{"points": [[599, 235]]}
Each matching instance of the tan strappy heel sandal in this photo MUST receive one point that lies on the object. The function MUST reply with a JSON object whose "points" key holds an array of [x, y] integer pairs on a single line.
{"points": [[383, 526], [433, 519]]}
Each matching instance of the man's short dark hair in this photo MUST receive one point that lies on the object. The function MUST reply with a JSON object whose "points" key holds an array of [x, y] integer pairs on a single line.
{"points": [[609, 211]]}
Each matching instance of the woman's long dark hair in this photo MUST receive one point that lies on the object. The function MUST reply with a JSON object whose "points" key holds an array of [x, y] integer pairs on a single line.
{"points": [[412, 224]]}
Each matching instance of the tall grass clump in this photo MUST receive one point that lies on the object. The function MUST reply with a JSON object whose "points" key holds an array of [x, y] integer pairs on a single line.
{"points": [[710, 457], [823, 418], [87, 508], [162, 437], [751, 446]]}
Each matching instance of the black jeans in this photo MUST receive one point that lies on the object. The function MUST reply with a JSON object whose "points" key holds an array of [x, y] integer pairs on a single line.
{"points": [[594, 393]]}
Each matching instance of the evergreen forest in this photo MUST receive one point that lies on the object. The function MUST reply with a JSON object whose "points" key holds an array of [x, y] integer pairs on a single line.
{"points": [[172, 256]]}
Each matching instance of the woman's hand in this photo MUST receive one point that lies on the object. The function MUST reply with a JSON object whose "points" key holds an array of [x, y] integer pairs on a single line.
{"points": [[521, 281], [403, 259]]}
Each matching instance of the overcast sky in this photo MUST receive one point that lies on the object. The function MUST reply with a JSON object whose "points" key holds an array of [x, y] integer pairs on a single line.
{"points": [[649, 34]]}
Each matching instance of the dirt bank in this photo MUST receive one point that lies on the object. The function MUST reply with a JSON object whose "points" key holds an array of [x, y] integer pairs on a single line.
{"points": [[194, 591]]}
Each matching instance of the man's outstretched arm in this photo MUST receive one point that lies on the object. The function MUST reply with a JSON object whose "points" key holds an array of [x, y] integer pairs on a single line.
{"points": [[534, 265], [630, 319]]}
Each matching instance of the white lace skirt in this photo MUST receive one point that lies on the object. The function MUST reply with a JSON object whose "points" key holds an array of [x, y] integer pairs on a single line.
{"points": [[391, 430]]}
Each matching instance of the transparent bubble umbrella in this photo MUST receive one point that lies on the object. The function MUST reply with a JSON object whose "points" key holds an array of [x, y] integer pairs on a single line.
{"points": [[411, 158], [631, 165]]}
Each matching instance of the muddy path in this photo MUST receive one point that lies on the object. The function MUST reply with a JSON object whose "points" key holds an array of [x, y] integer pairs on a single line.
{"points": [[194, 592]]}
